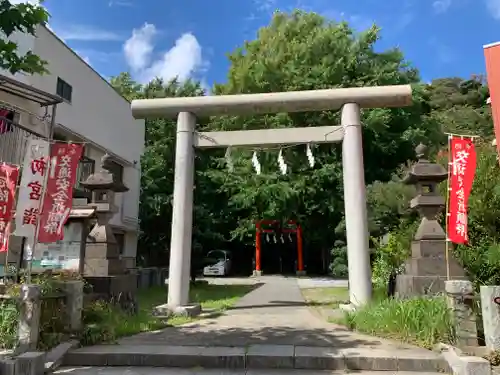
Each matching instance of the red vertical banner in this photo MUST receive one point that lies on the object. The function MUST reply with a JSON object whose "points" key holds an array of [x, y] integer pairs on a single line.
{"points": [[9, 175], [492, 57], [57, 202], [462, 168]]}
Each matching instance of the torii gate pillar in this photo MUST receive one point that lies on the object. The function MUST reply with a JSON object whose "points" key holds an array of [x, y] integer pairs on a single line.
{"points": [[349, 99]]}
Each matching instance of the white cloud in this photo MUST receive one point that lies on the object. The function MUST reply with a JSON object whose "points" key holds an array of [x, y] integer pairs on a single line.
{"points": [[86, 33], [267, 6], [182, 60], [139, 47], [494, 8], [441, 6], [120, 3]]}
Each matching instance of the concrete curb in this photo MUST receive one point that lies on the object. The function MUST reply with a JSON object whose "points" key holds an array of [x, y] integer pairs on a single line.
{"points": [[35, 363], [258, 356], [54, 357], [463, 365]]}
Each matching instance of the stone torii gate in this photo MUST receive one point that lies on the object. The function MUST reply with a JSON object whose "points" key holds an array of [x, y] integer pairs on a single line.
{"points": [[350, 100]]}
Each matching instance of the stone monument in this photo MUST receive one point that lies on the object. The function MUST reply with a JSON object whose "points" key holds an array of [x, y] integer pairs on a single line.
{"points": [[103, 267], [426, 270]]}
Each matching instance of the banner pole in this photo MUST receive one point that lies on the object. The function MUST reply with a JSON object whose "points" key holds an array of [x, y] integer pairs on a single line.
{"points": [[447, 248]]}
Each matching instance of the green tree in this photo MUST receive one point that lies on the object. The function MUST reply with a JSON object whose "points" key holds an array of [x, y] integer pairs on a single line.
{"points": [[304, 51], [24, 18], [126, 86], [459, 106], [157, 165]]}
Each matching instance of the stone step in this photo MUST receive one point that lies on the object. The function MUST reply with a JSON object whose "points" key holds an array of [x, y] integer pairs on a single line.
{"points": [[258, 357], [200, 371]]}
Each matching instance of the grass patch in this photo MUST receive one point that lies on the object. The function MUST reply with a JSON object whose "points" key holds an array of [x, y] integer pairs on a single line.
{"points": [[104, 322], [326, 297], [420, 321]]}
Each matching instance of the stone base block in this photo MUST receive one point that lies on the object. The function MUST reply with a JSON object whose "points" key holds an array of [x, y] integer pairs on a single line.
{"points": [[113, 285], [435, 266], [257, 273], [301, 273], [104, 267], [31, 363], [408, 286], [187, 310], [8, 366]]}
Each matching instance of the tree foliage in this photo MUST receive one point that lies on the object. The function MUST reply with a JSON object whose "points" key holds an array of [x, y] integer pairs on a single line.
{"points": [[23, 18]]}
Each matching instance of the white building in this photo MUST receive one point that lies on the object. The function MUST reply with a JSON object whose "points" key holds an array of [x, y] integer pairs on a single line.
{"points": [[91, 111]]}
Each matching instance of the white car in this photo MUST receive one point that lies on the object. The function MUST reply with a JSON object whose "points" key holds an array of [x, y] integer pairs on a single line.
{"points": [[218, 263]]}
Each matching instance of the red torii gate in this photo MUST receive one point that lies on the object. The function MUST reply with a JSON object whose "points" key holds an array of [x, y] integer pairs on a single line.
{"points": [[298, 232]]}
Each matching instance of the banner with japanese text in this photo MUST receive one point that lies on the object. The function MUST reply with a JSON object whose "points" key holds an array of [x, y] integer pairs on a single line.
{"points": [[492, 57], [31, 190], [462, 168], [9, 175], [64, 159]]}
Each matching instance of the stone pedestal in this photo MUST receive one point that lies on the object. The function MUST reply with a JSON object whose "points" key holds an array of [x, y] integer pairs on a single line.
{"points": [[491, 316], [102, 256], [29, 318], [425, 272], [460, 300], [73, 291]]}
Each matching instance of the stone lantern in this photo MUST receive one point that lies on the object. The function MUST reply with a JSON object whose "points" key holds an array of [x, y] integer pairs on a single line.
{"points": [[103, 267], [425, 271]]}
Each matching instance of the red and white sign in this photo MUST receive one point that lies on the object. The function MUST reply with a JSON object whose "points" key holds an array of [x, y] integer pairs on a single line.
{"points": [[8, 181], [31, 188], [462, 168], [492, 57], [64, 159]]}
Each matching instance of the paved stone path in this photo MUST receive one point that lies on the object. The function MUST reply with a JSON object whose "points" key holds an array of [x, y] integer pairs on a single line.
{"points": [[274, 313]]}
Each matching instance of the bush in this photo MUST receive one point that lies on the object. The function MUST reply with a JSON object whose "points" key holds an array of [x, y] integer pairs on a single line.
{"points": [[390, 257], [421, 321], [9, 321], [338, 265], [95, 318]]}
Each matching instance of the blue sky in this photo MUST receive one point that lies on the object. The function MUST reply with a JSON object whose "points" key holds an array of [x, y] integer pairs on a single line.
{"points": [[190, 38]]}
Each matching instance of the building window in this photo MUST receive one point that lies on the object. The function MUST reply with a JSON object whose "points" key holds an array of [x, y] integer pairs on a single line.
{"points": [[59, 137], [64, 89], [7, 119]]}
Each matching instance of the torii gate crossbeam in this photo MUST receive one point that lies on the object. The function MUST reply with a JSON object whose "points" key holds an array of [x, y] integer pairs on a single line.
{"points": [[349, 99]]}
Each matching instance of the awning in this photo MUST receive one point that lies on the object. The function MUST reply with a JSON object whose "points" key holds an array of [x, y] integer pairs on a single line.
{"points": [[22, 90]]}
